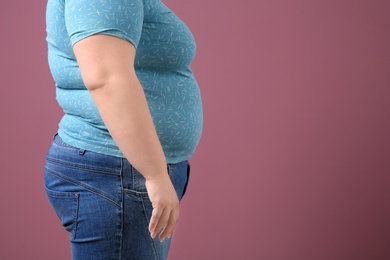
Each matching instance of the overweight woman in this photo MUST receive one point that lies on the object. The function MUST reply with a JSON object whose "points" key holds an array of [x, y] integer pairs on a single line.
{"points": [[118, 166]]}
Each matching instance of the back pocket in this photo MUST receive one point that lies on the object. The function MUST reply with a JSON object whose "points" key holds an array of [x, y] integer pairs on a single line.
{"points": [[66, 205]]}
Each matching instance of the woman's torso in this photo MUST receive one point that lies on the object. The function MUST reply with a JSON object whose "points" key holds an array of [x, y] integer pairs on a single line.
{"points": [[165, 50]]}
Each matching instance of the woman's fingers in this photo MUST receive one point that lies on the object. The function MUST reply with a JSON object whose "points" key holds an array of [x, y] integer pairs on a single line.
{"points": [[163, 221], [164, 218], [171, 225], [158, 221], [154, 220]]}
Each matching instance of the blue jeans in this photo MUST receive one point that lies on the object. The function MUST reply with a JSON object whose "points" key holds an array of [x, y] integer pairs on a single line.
{"points": [[102, 202]]}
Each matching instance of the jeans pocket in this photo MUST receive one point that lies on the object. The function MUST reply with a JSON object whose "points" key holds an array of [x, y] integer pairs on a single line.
{"points": [[65, 204], [188, 179], [179, 175]]}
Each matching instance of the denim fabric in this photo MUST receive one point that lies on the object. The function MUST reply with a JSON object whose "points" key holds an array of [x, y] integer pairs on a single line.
{"points": [[102, 202]]}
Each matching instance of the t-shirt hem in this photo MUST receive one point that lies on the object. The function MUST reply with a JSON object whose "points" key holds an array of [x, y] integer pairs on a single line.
{"points": [[109, 31]]}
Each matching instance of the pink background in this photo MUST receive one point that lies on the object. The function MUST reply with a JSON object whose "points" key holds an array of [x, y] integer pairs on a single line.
{"points": [[294, 161]]}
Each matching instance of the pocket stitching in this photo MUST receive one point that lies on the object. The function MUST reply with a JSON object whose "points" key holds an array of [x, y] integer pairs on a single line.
{"points": [[136, 193]]}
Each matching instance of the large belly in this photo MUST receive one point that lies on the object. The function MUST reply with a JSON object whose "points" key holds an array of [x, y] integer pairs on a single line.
{"points": [[176, 107]]}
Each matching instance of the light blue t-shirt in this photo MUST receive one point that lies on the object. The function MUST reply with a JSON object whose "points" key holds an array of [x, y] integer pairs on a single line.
{"points": [[165, 49]]}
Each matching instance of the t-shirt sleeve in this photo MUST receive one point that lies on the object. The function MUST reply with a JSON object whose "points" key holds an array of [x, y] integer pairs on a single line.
{"points": [[120, 18]]}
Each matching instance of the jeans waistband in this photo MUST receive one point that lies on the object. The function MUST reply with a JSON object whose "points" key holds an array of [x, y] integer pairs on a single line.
{"points": [[58, 141]]}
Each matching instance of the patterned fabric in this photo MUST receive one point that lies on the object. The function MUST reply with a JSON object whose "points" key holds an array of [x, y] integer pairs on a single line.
{"points": [[165, 49]]}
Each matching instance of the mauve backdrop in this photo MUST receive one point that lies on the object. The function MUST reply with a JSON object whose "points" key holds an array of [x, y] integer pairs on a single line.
{"points": [[294, 161]]}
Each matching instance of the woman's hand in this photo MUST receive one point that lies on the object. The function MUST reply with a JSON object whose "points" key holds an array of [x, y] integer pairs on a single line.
{"points": [[165, 205]]}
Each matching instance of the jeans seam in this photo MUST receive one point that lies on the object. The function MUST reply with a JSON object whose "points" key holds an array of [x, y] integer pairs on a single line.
{"points": [[147, 222], [132, 177], [122, 212], [83, 186], [75, 217]]}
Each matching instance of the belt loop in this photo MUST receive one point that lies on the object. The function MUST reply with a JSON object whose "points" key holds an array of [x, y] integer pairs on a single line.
{"points": [[81, 152], [54, 136]]}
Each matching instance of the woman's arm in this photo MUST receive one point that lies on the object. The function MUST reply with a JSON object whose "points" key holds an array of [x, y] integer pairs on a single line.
{"points": [[107, 68]]}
